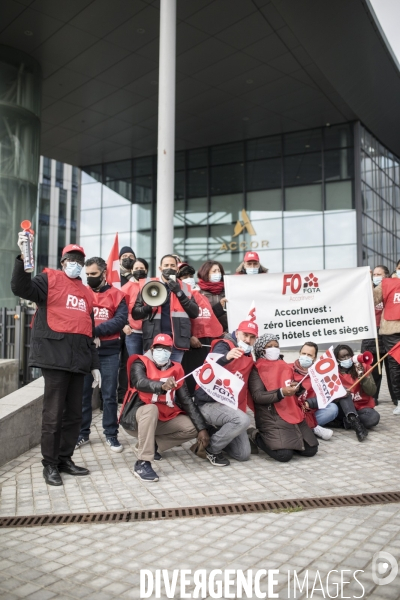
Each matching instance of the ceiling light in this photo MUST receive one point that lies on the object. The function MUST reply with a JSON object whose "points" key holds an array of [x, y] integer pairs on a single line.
{"points": [[140, 30], [28, 32], [307, 145], [328, 124]]}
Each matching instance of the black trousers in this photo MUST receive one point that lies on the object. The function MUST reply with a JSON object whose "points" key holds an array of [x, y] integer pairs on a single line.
{"points": [[284, 454], [393, 371], [122, 373], [62, 414], [369, 417]]}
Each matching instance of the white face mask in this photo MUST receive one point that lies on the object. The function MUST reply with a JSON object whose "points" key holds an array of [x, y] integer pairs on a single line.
{"points": [[73, 269], [190, 281], [252, 271], [305, 361], [245, 347], [377, 280], [215, 277], [161, 356], [398, 273], [272, 353]]}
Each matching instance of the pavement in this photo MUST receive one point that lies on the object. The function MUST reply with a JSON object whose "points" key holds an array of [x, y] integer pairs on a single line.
{"points": [[104, 561]]}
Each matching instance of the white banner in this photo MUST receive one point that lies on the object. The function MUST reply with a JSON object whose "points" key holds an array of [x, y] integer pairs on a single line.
{"points": [[217, 382], [322, 306], [324, 375]]}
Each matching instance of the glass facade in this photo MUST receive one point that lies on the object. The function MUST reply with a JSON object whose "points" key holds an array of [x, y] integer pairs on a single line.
{"points": [[20, 94], [58, 209], [289, 197], [380, 195]]}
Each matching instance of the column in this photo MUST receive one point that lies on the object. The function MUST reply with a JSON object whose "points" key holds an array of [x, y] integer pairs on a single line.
{"points": [[166, 130], [20, 97]]}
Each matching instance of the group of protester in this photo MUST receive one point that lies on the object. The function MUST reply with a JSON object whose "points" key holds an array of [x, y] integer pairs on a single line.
{"points": [[91, 335]]}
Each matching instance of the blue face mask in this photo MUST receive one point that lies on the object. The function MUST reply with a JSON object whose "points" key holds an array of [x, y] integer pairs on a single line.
{"points": [[161, 356], [215, 277], [398, 273], [245, 347], [73, 269], [346, 364], [305, 361], [253, 271]]}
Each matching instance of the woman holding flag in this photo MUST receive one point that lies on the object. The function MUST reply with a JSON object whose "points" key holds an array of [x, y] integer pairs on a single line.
{"points": [[280, 421]]}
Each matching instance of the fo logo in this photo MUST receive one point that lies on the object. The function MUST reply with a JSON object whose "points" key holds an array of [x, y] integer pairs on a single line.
{"points": [[333, 383], [295, 283], [224, 383], [76, 303]]}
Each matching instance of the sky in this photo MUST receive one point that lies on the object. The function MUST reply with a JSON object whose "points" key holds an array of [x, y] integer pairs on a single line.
{"points": [[388, 13]]}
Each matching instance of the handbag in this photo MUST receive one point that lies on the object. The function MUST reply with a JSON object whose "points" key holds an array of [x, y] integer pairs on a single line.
{"points": [[127, 417]]}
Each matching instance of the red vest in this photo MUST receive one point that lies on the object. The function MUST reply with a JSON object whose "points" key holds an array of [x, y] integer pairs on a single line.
{"points": [[105, 305], [165, 412], [206, 324], [309, 415], [177, 312], [360, 398], [69, 304], [131, 290], [275, 374], [391, 298], [242, 368]]}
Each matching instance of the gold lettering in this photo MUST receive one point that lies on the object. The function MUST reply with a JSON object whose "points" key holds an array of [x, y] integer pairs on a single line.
{"points": [[264, 244], [233, 246], [239, 227], [243, 245], [254, 245], [224, 247]]}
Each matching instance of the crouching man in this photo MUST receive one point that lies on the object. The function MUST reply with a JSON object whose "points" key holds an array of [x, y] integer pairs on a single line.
{"points": [[230, 424], [165, 414]]}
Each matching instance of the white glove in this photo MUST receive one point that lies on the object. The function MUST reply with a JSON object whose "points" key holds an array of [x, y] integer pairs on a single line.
{"points": [[21, 241], [97, 342], [97, 378]]}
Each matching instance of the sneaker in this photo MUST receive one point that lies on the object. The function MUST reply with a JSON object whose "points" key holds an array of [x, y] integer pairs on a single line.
{"points": [[218, 460], [157, 455], [81, 442], [143, 470], [323, 432], [358, 427], [396, 411], [114, 444]]}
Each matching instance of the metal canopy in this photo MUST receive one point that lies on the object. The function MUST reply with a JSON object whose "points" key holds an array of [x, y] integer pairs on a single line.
{"points": [[245, 68]]}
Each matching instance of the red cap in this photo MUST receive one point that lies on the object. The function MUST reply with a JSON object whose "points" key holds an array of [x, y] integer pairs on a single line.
{"points": [[163, 339], [251, 256], [73, 248], [248, 327]]}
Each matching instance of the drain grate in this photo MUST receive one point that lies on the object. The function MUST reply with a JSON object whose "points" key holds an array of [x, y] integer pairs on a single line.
{"points": [[215, 510]]}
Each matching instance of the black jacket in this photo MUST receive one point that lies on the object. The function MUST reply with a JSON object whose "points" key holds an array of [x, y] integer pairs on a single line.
{"points": [[49, 349], [181, 327], [141, 382], [112, 326]]}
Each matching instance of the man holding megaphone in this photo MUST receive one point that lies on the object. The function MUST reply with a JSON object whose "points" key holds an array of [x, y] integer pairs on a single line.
{"points": [[166, 306]]}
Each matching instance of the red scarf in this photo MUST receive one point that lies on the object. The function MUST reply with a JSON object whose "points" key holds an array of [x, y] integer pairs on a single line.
{"points": [[214, 287]]}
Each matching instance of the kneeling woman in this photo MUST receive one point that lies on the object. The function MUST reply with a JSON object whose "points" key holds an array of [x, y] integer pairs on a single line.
{"points": [[281, 427], [359, 401]]}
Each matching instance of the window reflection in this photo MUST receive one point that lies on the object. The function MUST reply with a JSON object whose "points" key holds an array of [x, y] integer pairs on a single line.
{"points": [[90, 222], [303, 231], [91, 195], [116, 219]]}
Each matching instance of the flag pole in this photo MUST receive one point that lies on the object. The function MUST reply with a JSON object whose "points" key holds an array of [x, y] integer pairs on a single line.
{"points": [[300, 382], [378, 355]]}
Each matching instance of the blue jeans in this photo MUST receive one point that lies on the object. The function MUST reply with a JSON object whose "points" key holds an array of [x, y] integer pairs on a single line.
{"points": [[327, 414], [109, 378], [134, 343], [177, 355]]}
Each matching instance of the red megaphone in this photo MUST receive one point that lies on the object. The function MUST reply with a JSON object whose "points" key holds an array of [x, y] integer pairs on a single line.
{"points": [[366, 358]]}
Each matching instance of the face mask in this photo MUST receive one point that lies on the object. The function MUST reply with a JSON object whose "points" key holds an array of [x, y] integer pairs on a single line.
{"points": [[398, 273], [128, 263], [215, 277], [95, 282], [245, 347], [167, 272], [272, 353], [346, 364], [253, 271], [73, 269], [161, 356], [377, 280], [190, 281], [305, 361], [139, 274]]}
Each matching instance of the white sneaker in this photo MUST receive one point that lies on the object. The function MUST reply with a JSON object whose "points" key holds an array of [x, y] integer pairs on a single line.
{"points": [[323, 433], [397, 410]]}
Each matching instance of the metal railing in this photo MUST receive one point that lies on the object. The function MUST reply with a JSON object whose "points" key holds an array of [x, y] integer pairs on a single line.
{"points": [[15, 339]]}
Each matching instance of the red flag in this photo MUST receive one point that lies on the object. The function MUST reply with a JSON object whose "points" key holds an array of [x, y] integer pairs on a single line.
{"points": [[113, 275], [395, 352]]}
